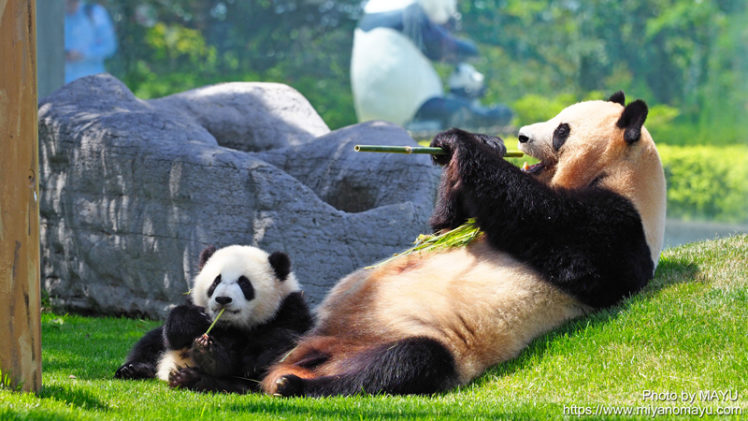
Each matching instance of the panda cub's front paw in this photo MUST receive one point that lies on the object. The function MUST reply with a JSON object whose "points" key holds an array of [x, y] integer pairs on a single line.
{"points": [[202, 349], [203, 342], [211, 356], [184, 377]]}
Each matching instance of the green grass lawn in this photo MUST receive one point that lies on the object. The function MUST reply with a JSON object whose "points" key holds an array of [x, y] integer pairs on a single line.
{"points": [[686, 332]]}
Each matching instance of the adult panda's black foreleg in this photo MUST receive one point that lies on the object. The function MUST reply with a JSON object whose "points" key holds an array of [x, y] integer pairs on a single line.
{"points": [[589, 242], [450, 210], [416, 365], [477, 182], [142, 360]]}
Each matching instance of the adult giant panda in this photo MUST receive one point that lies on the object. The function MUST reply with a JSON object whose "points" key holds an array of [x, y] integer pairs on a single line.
{"points": [[264, 313], [576, 232]]}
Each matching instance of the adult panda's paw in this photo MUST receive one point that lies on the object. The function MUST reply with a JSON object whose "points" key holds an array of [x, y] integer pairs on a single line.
{"points": [[289, 385], [184, 377], [133, 371], [454, 141], [496, 144], [448, 142]]}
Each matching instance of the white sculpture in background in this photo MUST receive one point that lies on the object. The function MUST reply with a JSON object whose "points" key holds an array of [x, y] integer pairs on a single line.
{"points": [[392, 75]]}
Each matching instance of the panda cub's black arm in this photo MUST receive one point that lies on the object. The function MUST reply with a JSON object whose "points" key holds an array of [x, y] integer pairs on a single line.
{"points": [[588, 242], [142, 360], [294, 314], [183, 324]]}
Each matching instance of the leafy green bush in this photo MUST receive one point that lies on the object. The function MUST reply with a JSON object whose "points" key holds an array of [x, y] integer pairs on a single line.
{"points": [[706, 182], [533, 108]]}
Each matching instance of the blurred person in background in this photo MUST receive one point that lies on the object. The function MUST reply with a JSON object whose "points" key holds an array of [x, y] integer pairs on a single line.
{"points": [[89, 39]]}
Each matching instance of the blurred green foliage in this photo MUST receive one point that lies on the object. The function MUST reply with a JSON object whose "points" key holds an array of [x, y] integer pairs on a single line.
{"points": [[169, 47], [706, 182], [688, 59]]}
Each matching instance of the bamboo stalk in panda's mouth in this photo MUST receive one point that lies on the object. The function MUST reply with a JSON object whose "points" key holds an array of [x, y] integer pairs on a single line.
{"points": [[218, 316], [415, 149]]}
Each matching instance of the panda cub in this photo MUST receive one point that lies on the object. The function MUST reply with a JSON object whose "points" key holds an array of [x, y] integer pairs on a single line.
{"points": [[579, 231], [264, 313]]}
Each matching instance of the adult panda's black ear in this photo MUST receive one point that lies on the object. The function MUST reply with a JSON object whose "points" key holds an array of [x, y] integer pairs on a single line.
{"points": [[618, 97], [205, 255], [281, 264], [632, 120]]}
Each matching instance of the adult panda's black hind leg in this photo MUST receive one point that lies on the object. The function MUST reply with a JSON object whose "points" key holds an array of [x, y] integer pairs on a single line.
{"points": [[416, 365], [142, 360]]}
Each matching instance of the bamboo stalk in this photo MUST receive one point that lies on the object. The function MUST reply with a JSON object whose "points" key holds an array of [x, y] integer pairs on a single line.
{"points": [[457, 237], [415, 149], [218, 316]]}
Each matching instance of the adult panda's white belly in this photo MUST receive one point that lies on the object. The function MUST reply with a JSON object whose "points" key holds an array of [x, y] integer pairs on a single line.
{"points": [[483, 305], [390, 77]]}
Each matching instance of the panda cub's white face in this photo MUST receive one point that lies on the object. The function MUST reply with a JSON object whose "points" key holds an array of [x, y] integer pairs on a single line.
{"points": [[241, 280]]}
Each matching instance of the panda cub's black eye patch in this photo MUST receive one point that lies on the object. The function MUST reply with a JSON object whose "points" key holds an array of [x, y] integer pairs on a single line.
{"points": [[214, 285], [560, 135], [247, 288]]}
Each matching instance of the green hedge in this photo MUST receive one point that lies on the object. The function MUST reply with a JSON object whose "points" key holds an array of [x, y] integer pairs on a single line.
{"points": [[706, 182]]}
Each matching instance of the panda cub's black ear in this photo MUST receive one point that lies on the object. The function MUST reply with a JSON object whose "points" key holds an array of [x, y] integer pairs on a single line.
{"points": [[205, 255], [618, 97], [281, 264], [632, 120]]}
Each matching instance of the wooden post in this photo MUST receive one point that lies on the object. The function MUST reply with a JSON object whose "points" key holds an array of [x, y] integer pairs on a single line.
{"points": [[20, 324]]}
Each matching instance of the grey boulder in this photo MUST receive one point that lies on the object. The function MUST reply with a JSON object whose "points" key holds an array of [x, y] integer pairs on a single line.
{"points": [[133, 190]]}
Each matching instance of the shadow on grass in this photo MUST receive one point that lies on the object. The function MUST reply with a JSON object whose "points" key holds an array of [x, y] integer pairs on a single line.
{"points": [[73, 396], [669, 272], [299, 407]]}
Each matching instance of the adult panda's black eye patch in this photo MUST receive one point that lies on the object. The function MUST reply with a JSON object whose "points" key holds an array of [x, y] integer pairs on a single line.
{"points": [[214, 285], [247, 288], [560, 135]]}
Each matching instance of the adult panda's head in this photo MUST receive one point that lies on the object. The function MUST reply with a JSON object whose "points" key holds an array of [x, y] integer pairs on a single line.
{"points": [[605, 144], [248, 282]]}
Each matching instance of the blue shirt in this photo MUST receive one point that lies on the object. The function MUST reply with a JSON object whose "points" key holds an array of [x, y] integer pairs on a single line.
{"points": [[90, 32]]}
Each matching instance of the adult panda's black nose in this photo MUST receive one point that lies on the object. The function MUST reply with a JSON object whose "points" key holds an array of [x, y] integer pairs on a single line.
{"points": [[523, 138], [223, 300]]}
